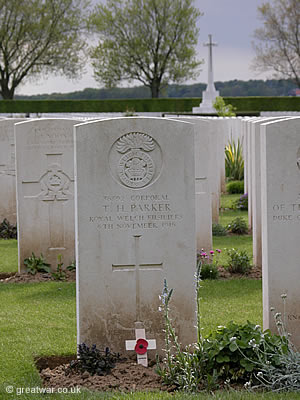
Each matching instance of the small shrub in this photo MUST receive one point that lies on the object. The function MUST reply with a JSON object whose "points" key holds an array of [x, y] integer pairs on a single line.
{"points": [[94, 361], [238, 226], [209, 271], [36, 264], [7, 230], [242, 202], [239, 261], [235, 187], [234, 161], [219, 230]]}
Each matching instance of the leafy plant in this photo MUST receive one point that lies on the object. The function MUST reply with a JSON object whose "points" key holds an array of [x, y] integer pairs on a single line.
{"points": [[238, 226], [234, 161], [223, 110], [242, 202], [218, 230], [7, 230], [36, 264], [234, 187], [94, 361], [236, 353], [59, 274], [239, 261], [72, 266]]}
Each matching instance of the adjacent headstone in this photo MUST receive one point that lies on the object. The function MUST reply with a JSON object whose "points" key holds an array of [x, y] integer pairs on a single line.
{"points": [[8, 207], [204, 151], [45, 190], [280, 160], [135, 226]]}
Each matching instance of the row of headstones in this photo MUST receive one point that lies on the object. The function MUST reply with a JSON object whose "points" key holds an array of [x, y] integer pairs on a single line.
{"points": [[211, 137], [139, 219], [135, 214], [272, 180]]}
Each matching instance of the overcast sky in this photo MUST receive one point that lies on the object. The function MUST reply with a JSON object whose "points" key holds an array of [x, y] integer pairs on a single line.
{"points": [[232, 24]]}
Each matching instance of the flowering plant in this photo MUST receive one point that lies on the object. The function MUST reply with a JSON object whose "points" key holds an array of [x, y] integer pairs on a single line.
{"points": [[209, 263]]}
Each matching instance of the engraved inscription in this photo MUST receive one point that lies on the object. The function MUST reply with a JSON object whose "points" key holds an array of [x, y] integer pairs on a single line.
{"points": [[55, 184], [135, 160], [147, 211]]}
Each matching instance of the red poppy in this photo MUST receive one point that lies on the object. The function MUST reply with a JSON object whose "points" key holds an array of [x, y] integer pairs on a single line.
{"points": [[141, 346]]}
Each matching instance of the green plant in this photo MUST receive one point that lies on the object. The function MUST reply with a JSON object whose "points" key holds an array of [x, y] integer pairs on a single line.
{"points": [[238, 226], [36, 264], [234, 161], [242, 202], [223, 110], [208, 264], [59, 274], [7, 230], [239, 261], [72, 266], [93, 360], [218, 230], [234, 187]]}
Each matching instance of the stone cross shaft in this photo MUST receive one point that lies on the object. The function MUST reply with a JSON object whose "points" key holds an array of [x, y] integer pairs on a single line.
{"points": [[141, 345], [210, 44], [137, 266]]}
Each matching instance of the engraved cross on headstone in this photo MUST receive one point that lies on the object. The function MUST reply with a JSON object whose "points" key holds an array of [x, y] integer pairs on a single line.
{"points": [[53, 187], [137, 266]]}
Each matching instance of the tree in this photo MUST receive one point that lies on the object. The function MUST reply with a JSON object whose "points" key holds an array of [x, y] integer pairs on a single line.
{"points": [[279, 39], [152, 41], [223, 109], [39, 36]]}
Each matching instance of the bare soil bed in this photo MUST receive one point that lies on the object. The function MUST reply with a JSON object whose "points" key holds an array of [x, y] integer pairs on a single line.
{"points": [[255, 273], [127, 376]]}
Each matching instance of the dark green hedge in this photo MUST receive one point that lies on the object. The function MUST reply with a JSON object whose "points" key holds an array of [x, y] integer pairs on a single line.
{"points": [[243, 104]]}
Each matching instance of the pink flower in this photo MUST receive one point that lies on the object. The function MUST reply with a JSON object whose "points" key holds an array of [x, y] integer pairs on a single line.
{"points": [[212, 252], [218, 250], [203, 254]]}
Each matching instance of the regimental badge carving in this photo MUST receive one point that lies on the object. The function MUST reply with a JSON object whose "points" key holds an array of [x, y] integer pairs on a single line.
{"points": [[136, 159], [55, 184]]}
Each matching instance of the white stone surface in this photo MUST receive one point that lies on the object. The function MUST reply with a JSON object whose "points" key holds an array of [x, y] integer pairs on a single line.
{"points": [[280, 159], [135, 226], [210, 94], [204, 151], [8, 208], [45, 189]]}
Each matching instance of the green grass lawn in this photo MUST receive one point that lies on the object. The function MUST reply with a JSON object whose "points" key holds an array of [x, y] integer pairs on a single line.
{"points": [[8, 255]]}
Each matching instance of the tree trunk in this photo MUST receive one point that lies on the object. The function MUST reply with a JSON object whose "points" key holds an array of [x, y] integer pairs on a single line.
{"points": [[6, 92], [155, 89]]}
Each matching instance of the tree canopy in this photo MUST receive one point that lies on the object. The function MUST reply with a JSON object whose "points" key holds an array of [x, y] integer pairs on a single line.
{"points": [[278, 41], [151, 41], [39, 36]]}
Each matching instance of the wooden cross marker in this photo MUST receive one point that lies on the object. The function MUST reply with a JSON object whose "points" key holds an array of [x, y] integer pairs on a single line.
{"points": [[141, 345]]}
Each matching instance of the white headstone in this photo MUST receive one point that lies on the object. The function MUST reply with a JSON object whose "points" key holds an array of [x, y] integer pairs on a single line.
{"points": [[135, 226], [280, 160], [204, 151], [45, 190], [8, 208]]}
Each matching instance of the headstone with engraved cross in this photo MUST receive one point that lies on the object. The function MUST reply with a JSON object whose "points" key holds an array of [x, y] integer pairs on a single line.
{"points": [[8, 208], [45, 189], [135, 226]]}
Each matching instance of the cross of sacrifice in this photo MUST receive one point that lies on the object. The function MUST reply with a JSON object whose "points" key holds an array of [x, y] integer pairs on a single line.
{"points": [[141, 345], [210, 45]]}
